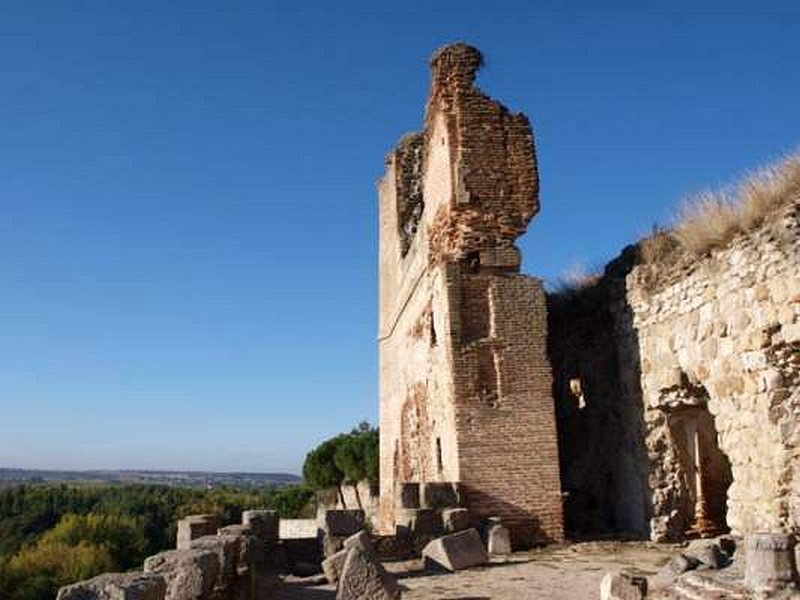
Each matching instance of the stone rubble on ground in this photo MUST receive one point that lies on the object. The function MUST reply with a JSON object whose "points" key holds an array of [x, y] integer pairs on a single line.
{"points": [[498, 540], [364, 578], [456, 551], [679, 563], [623, 586], [333, 565], [707, 553]]}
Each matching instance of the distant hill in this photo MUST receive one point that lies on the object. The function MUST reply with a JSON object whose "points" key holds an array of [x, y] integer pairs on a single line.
{"points": [[200, 479]]}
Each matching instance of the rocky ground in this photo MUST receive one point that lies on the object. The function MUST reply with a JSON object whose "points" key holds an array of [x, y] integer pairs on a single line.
{"points": [[568, 572]]}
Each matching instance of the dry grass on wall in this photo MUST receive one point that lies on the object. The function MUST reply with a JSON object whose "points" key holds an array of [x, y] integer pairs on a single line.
{"points": [[712, 219], [577, 279], [577, 288], [657, 246]]}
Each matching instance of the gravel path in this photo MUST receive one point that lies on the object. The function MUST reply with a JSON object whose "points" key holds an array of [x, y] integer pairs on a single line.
{"points": [[570, 572]]}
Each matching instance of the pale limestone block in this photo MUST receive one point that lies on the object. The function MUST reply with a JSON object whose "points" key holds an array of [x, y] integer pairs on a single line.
{"points": [[190, 574], [769, 562], [117, 586], [364, 578], [195, 526], [777, 290], [226, 549], [499, 540], [456, 551], [708, 350], [791, 333], [786, 315], [623, 586], [332, 566], [771, 379], [725, 347]]}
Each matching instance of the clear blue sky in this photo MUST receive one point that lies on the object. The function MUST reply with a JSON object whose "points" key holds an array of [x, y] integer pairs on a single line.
{"points": [[188, 208]]}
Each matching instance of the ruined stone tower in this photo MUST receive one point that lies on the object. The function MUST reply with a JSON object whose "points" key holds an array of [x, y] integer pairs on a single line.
{"points": [[465, 383]]}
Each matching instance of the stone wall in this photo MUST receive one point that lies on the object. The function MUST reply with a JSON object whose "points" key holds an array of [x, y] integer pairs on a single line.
{"points": [[465, 384], [696, 364], [724, 335], [237, 562]]}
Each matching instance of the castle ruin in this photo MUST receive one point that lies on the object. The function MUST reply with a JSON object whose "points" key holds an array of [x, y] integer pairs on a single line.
{"points": [[661, 401], [465, 382]]}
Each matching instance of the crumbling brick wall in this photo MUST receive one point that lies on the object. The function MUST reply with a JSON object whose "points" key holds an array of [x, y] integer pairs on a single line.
{"points": [[465, 384]]}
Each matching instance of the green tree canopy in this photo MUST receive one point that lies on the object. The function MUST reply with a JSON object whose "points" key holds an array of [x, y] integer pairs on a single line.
{"points": [[320, 470], [53, 534], [348, 457], [50, 564], [123, 536]]}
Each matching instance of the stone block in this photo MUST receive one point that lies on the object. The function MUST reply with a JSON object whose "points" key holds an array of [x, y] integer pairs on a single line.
{"points": [[456, 551], [190, 574], [264, 524], [418, 521], [295, 529], [349, 497], [364, 578], [331, 544], [791, 333], [360, 540], [227, 549], [439, 495], [406, 494], [392, 547], [117, 586], [332, 566], [498, 540], [623, 586], [343, 522], [769, 562], [235, 530], [456, 519], [678, 565], [195, 526], [246, 544], [708, 553]]}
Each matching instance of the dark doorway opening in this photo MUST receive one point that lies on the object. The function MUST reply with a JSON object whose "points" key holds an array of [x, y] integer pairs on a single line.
{"points": [[704, 470]]}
